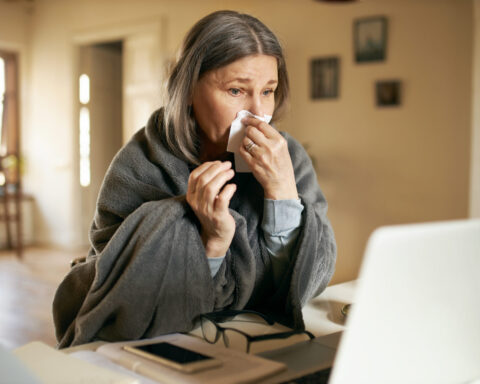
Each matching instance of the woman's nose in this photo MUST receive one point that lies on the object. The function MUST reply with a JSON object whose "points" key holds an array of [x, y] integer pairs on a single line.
{"points": [[255, 106]]}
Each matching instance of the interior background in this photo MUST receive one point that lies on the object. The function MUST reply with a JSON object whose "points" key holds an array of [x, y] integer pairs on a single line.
{"points": [[376, 166]]}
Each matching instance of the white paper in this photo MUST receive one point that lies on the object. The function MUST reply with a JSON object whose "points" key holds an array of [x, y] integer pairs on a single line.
{"points": [[55, 367], [237, 133], [102, 361]]}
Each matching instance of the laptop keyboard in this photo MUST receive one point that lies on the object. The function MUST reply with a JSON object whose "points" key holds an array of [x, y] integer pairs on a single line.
{"points": [[318, 377]]}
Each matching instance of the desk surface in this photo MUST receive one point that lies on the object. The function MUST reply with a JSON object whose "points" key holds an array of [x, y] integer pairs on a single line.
{"points": [[323, 314]]}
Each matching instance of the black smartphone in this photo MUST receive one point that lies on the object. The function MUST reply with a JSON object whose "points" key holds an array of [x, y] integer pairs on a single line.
{"points": [[174, 356]]}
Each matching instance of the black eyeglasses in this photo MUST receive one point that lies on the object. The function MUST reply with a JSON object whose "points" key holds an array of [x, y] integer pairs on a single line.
{"points": [[236, 338]]}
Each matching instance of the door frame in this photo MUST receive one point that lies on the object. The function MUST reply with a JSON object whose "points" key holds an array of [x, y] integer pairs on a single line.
{"points": [[90, 36]]}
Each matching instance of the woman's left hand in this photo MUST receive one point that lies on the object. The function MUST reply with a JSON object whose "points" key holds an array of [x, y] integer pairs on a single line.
{"points": [[266, 152]]}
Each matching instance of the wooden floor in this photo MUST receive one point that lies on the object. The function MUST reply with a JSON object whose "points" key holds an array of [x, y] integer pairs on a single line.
{"points": [[27, 288]]}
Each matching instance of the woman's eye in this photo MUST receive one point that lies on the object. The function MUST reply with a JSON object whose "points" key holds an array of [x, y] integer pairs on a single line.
{"points": [[234, 91], [268, 92]]}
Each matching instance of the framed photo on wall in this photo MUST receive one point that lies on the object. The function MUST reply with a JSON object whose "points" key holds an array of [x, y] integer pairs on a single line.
{"points": [[388, 93], [324, 77], [370, 39]]}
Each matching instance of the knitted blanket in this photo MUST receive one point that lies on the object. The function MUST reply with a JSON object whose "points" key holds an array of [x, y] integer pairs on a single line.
{"points": [[147, 273]]}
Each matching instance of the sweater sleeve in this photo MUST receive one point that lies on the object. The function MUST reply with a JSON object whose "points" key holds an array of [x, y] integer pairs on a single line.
{"points": [[214, 263], [282, 220], [281, 225]]}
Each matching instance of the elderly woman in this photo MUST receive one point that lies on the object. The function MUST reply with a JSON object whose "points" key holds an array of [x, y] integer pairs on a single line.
{"points": [[178, 232]]}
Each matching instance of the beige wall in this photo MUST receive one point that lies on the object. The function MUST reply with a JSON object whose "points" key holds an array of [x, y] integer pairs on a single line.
{"points": [[383, 166], [475, 159], [14, 25], [376, 166]]}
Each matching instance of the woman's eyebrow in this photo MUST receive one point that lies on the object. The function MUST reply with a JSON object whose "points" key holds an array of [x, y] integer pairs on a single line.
{"points": [[248, 80]]}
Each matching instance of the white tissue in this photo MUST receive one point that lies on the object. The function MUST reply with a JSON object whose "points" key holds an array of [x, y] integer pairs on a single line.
{"points": [[237, 133]]}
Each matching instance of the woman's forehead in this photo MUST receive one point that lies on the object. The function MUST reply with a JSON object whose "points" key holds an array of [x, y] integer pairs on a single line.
{"points": [[253, 68]]}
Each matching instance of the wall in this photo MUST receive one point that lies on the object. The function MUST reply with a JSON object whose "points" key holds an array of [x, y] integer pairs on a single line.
{"points": [[390, 165], [475, 159], [14, 26], [376, 166]]}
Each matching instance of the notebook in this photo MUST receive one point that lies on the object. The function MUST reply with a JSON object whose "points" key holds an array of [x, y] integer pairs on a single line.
{"points": [[51, 366], [416, 312], [236, 367]]}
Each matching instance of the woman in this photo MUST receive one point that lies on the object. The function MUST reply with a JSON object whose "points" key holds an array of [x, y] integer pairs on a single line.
{"points": [[177, 231]]}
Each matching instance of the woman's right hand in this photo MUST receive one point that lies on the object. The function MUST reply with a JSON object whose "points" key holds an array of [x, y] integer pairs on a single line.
{"points": [[209, 198]]}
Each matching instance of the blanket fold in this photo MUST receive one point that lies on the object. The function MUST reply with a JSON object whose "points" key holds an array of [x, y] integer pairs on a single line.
{"points": [[147, 273]]}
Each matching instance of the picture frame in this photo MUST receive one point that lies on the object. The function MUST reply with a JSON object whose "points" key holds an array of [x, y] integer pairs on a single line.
{"points": [[324, 77], [388, 93], [370, 39]]}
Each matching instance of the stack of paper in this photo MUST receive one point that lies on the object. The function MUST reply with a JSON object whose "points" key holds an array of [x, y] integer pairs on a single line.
{"points": [[51, 366]]}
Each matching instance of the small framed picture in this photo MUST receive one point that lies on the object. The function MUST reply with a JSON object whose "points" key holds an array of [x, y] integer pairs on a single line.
{"points": [[388, 93], [370, 39], [324, 77]]}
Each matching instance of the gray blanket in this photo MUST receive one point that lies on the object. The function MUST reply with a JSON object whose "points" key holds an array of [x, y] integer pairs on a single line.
{"points": [[147, 273]]}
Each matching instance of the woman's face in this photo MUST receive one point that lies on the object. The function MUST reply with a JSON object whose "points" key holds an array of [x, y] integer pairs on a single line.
{"points": [[248, 83]]}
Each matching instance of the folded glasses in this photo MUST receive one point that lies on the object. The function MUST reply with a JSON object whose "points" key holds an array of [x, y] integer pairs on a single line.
{"points": [[237, 338]]}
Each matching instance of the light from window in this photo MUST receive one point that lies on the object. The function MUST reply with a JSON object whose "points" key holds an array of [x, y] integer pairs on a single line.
{"points": [[84, 89], [84, 147], [2, 91]]}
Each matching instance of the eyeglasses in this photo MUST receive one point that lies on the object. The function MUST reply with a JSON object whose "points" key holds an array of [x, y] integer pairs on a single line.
{"points": [[237, 338]]}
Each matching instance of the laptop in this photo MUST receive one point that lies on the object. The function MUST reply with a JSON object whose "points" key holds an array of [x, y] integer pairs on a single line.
{"points": [[416, 313]]}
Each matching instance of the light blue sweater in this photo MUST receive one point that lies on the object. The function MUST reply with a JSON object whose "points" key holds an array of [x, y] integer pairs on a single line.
{"points": [[281, 224]]}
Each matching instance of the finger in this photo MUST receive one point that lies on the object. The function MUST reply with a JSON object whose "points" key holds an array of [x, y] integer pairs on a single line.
{"points": [[264, 127], [212, 189], [205, 175], [224, 197], [192, 179], [254, 134], [247, 155], [248, 144]]}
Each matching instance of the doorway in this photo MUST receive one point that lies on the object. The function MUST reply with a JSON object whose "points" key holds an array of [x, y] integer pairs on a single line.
{"points": [[99, 120], [124, 75]]}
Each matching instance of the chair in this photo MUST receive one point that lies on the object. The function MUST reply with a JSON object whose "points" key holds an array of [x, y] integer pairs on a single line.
{"points": [[11, 192], [10, 181]]}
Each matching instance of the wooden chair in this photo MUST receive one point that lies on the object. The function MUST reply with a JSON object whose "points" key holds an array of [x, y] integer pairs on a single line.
{"points": [[10, 183], [11, 195]]}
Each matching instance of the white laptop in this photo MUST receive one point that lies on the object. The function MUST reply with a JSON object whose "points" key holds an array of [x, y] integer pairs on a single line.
{"points": [[416, 313], [416, 317]]}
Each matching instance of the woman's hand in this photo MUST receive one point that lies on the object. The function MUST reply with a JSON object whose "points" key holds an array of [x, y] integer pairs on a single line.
{"points": [[209, 198], [266, 152]]}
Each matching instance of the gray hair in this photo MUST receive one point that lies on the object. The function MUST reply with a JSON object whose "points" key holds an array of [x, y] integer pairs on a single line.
{"points": [[218, 39]]}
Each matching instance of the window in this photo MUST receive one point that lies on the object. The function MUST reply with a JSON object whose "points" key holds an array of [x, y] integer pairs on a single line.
{"points": [[2, 97], [84, 93], [9, 120]]}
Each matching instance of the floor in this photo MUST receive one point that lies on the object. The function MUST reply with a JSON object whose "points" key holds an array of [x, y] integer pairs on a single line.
{"points": [[27, 288]]}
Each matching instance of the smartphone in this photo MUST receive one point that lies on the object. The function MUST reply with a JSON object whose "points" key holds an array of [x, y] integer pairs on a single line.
{"points": [[173, 356]]}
